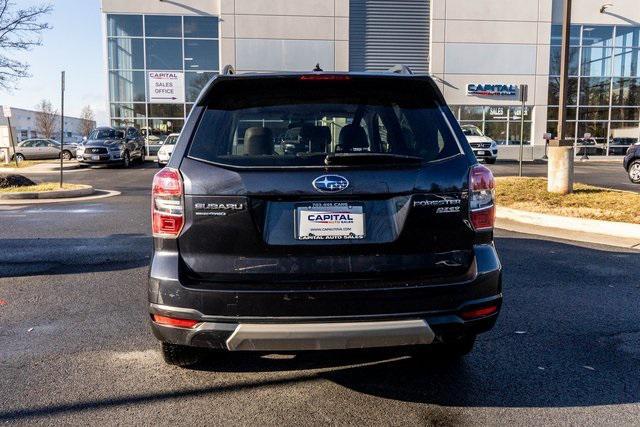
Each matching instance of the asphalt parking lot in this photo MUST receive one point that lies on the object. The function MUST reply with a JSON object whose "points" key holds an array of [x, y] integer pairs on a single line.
{"points": [[75, 347]]}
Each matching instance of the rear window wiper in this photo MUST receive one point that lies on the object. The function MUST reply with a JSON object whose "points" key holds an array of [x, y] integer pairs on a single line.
{"points": [[370, 158]]}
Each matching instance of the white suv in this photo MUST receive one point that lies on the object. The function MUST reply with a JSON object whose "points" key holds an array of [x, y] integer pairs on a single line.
{"points": [[483, 147]]}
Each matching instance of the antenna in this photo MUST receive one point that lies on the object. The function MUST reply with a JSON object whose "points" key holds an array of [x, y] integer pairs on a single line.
{"points": [[317, 69]]}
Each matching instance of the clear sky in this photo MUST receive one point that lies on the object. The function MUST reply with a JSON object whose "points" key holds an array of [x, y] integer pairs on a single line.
{"points": [[74, 45]]}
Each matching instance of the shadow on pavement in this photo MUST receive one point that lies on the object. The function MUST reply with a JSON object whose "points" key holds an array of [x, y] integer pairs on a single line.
{"points": [[68, 255]]}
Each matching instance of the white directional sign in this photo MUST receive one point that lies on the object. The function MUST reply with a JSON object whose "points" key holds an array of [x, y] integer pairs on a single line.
{"points": [[6, 111], [166, 87]]}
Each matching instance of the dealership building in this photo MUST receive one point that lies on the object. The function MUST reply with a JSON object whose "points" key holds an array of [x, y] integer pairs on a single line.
{"points": [[160, 53]]}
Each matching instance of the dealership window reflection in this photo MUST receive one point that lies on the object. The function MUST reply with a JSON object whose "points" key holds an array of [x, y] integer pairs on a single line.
{"points": [[604, 82], [137, 44]]}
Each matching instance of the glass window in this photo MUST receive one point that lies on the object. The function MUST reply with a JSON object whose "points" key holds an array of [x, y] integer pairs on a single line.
{"points": [[469, 112], [627, 36], [598, 130], [159, 129], [164, 54], [596, 61], [626, 125], [126, 54], [188, 108], [626, 91], [514, 133], [496, 131], [127, 86], [552, 113], [123, 123], [128, 110], [195, 82], [593, 113], [327, 113], [166, 110], [201, 55], [514, 113], [496, 112], [201, 27], [554, 61], [163, 26], [556, 35], [597, 35], [632, 113], [626, 62], [594, 90], [554, 90], [124, 25]]}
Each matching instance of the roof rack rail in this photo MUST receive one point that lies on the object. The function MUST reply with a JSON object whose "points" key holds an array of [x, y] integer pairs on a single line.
{"points": [[228, 70], [400, 69]]}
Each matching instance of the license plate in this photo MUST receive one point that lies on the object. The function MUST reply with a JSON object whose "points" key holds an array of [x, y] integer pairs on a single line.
{"points": [[329, 221], [482, 153], [95, 157]]}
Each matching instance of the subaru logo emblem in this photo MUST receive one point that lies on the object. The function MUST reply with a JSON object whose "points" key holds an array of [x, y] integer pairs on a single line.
{"points": [[330, 183]]}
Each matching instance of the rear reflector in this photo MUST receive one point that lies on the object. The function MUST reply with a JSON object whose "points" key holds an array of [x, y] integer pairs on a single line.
{"points": [[172, 321], [479, 312]]}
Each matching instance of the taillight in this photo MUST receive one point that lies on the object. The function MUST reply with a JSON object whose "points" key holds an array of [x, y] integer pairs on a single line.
{"points": [[167, 209], [482, 210]]}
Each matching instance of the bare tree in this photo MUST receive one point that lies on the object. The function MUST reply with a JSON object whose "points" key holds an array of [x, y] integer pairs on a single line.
{"points": [[46, 119], [88, 120], [20, 30]]}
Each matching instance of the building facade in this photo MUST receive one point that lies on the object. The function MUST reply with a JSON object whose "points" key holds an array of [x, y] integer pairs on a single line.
{"points": [[24, 123], [159, 54]]}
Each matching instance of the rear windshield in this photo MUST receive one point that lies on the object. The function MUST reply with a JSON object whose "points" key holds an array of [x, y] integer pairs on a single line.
{"points": [[106, 134], [295, 121]]}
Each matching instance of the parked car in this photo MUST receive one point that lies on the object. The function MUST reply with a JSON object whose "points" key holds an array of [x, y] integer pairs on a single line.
{"points": [[619, 146], [483, 147], [41, 149], [631, 163], [164, 153], [591, 146], [106, 145], [379, 234]]}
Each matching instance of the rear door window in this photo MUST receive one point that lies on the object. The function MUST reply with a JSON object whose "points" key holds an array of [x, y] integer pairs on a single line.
{"points": [[296, 122]]}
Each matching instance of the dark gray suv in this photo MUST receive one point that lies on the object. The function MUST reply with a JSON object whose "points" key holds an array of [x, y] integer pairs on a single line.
{"points": [[373, 227]]}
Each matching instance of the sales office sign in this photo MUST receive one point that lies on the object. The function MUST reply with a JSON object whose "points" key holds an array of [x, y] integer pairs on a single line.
{"points": [[166, 87]]}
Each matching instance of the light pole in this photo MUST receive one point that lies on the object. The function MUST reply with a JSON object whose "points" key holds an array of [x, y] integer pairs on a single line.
{"points": [[61, 128], [560, 151]]}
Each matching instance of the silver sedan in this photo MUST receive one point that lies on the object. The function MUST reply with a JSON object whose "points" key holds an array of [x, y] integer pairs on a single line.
{"points": [[40, 149]]}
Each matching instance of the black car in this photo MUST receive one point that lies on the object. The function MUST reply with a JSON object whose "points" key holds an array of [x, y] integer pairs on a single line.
{"points": [[378, 234], [106, 145], [631, 163], [619, 146]]}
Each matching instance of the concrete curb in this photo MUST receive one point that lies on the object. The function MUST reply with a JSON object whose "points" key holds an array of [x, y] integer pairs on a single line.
{"points": [[98, 194], [47, 167], [87, 190], [593, 226]]}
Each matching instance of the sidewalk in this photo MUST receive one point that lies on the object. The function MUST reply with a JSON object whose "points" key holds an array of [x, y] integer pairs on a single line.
{"points": [[610, 233]]}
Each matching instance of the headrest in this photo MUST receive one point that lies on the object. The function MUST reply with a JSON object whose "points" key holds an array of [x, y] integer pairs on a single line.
{"points": [[318, 137], [353, 136], [258, 141]]}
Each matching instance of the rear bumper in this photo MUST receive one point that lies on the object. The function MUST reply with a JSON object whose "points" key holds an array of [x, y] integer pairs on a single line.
{"points": [[221, 313]]}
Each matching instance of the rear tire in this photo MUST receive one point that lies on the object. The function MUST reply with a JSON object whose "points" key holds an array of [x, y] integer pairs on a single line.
{"points": [[66, 155], [490, 161], [634, 172], [180, 355], [20, 157]]}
